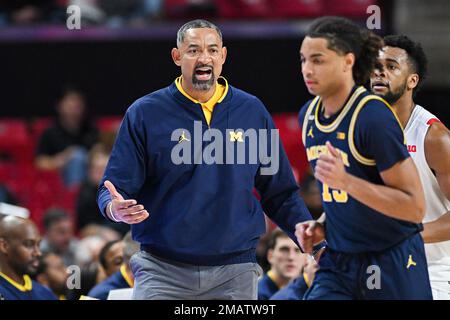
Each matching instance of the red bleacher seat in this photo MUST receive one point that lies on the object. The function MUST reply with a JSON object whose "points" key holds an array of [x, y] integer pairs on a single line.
{"points": [[111, 123], [15, 143], [240, 9], [181, 9], [39, 125], [297, 8], [347, 8]]}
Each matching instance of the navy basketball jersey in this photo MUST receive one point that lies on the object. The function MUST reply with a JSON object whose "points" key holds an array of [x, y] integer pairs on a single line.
{"points": [[31, 290], [370, 139]]}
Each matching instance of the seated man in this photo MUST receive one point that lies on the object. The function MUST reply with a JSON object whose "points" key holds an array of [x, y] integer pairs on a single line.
{"points": [[65, 145], [286, 262], [19, 257], [121, 279], [52, 273], [59, 235], [111, 257], [296, 289]]}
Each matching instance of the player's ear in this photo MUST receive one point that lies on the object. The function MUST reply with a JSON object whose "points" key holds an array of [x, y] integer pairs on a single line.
{"points": [[176, 56], [270, 255], [3, 246], [412, 81], [349, 61]]}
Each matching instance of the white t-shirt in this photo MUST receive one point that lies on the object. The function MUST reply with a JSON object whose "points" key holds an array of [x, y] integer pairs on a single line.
{"points": [[438, 254]]}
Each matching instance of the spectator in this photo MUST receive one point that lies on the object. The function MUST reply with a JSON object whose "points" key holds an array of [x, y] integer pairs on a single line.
{"points": [[89, 250], [92, 14], [25, 12], [91, 275], [297, 288], [111, 257], [132, 12], [59, 236], [106, 233], [86, 205], [286, 263], [121, 279], [19, 254], [65, 145], [52, 274]]}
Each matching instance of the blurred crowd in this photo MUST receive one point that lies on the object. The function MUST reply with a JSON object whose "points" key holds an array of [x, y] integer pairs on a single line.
{"points": [[93, 12], [119, 13]]}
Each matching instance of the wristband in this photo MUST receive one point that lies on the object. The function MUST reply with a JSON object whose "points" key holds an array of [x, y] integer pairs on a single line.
{"points": [[111, 213]]}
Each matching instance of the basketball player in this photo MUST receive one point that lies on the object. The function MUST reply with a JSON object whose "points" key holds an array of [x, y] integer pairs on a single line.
{"points": [[19, 257], [370, 187], [403, 69]]}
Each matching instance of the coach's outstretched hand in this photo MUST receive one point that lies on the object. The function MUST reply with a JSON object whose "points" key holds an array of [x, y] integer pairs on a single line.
{"points": [[121, 210], [309, 233]]}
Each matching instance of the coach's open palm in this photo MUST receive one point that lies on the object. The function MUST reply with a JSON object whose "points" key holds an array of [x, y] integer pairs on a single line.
{"points": [[121, 210]]}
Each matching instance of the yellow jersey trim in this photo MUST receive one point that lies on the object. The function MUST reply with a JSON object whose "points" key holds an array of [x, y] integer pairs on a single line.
{"points": [[123, 272], [208, 106], [27, 286], [306, 278], [272, 277], [332, 126], [306, 120], [351, 141]]}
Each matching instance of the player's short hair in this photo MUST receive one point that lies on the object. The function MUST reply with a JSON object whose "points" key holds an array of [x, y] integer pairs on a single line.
{"points": [[195, 24], [274, 236], [344, 36], [416, 55], [104, 251]]}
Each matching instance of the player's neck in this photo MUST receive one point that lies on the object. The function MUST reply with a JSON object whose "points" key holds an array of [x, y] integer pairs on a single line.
{"points": [[403, 108], [9, 272], [334, 101], [279, 280]]}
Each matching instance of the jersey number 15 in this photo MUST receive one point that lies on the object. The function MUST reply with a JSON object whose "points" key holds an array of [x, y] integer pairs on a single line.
{"points": [[336, 195]]}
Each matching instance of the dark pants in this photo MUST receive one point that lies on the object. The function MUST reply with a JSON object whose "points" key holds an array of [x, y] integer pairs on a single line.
{"points": [[397, 273]]}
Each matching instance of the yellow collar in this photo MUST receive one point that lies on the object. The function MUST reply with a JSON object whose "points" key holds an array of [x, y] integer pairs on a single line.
{"points": [[123, 271], [272, 277], [28, 285], [218, 96]]}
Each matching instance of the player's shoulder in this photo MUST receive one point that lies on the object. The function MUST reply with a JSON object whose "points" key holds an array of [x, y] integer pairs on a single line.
{"points": [[438, 136], [304, 108], [372, 109], [100, 291], [42, 291]]}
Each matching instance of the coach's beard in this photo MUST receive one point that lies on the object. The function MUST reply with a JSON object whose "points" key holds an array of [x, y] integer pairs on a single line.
{"points": [[203, 85]]}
